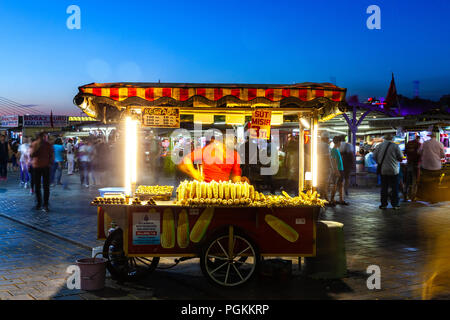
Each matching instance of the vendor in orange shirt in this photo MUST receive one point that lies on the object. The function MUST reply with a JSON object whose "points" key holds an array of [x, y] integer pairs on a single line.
{"points": [[219, 163]]}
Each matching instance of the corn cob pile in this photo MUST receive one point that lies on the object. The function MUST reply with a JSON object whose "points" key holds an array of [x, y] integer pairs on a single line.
{"points": [[121, 200], [154, 190], [304, 199], [108, 200], [195, 193], [215, 193]]}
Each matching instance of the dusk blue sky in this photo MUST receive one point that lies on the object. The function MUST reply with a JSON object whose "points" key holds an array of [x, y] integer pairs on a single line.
{"points": [[42, 62]]}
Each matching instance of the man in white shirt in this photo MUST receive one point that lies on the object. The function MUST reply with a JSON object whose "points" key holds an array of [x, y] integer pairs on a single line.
{"points": [[24, 160], [431, 152], [70, 156]]}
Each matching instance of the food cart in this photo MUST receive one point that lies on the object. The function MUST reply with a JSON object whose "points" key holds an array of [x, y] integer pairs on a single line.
{"points": [[230, 226]]}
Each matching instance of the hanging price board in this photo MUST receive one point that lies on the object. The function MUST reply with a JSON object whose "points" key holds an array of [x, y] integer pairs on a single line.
{"points": [[260, 124], [161, 117]]}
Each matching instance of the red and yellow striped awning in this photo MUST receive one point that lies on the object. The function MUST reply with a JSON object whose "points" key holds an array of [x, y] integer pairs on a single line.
{"points": [[103, 100], [213, 92]]}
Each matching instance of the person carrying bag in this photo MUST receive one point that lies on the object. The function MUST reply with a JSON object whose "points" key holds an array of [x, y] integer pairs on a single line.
{"points": [[379, 165], [388, 168]]}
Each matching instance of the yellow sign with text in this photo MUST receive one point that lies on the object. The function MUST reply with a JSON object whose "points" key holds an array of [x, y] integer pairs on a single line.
{"points": [[161, 117], [260, 126]]}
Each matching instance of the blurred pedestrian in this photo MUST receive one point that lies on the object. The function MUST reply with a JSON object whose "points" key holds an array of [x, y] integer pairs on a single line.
{"points": [[291, 156], [154, 160], [91, 167], [269, 150], [14, 156], [431, 152], [370, 164], [337, 172], [4, 156], [70, 150], [84, 157], [348, 160], [387, 154], [24, 159], [100, 156], [58, 164], [30, 166], [42, 157], [324, 159], [248, 156], [412, 168]]}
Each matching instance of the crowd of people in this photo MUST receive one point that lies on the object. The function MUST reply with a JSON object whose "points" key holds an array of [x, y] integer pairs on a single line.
{"points": [[42, 160], [9, 155], [385, 159], [335, 166]]}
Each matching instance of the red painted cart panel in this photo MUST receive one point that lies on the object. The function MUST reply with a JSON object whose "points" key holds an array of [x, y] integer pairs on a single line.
{"points": [[248, 220]]}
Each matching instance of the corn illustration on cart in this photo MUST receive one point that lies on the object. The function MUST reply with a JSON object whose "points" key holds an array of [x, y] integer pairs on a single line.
{"points": [[229, 240]]}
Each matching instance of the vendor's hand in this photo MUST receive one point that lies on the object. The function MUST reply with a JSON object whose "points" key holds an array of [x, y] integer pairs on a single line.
{"points": [[197, 176]]}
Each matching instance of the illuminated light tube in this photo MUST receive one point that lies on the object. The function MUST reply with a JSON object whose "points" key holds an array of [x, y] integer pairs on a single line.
{"points": [[130, 155], [330, 116], [314, 154], [305, 123]]}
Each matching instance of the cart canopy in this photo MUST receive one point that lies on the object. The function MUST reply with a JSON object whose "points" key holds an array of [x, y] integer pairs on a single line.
{"points": [[105, 101]]}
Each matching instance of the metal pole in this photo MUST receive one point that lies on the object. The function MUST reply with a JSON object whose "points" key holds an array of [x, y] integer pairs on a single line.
{"points": [[353, 177], [314, 164], [301, 157]]}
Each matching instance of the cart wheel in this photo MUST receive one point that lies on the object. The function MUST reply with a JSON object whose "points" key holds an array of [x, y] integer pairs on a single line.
{"points": [[230, 268], [125, 268]]}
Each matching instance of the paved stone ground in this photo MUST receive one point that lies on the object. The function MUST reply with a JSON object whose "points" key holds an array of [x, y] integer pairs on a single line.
{"points": [[33, 263], [71, 215]]}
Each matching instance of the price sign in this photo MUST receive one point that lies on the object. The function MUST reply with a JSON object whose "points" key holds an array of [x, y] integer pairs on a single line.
{"points": [[260, 124], [161, 117]]}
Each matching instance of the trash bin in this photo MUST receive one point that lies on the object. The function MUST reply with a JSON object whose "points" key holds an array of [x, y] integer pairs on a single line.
{"points": [[92, 273], [330, 261]]}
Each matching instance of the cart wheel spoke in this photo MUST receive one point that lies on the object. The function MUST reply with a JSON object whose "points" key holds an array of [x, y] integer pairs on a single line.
{"points": [[237, 255], [144, 261], [232, 248], [221, 247], [228, 272], [217, 257], [241, 262], [219, 267], [240, 275]]}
